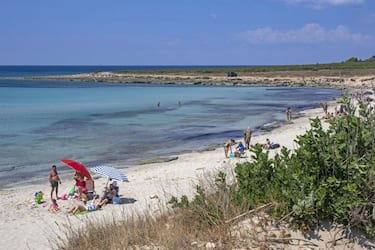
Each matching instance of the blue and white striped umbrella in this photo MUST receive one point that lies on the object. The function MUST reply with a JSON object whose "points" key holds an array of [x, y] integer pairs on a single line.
{"points": [[110, 172]]}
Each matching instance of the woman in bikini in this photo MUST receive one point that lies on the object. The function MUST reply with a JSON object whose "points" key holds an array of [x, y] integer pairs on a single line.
{"points": [[228, 146]]}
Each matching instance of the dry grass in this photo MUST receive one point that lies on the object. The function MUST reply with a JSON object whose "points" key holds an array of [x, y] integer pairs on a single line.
{"points": [[214, 223], [181, 228]]}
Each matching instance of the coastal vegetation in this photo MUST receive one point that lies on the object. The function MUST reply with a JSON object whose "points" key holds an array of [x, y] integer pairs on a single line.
{"points": [[350, 64], [330, 176]]}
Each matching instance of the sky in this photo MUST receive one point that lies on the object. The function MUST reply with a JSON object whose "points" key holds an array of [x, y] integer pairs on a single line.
{"points": [[185, 32]]}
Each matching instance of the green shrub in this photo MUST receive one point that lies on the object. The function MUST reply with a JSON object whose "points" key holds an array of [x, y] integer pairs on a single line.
{"points": [[329, 176]]}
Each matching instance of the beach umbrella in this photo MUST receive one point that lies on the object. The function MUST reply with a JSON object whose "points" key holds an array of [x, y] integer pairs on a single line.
{"points": [[110, 172], [77, 166]]}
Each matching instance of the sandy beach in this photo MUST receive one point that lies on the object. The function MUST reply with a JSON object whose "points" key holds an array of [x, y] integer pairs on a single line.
{"points": [[29, 226]]}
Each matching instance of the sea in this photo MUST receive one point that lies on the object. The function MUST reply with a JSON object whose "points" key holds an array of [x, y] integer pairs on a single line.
{"points": [[44, 121]]}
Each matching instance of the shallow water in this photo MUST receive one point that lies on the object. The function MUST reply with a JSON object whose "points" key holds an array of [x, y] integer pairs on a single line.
{"points": [[102, 123]]}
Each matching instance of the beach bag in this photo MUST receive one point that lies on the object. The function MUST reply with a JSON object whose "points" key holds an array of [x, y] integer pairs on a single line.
{"points": [[72, 190]]}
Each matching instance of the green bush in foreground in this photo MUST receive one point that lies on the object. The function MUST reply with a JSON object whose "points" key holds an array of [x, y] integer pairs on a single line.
{"points": [[330, 176]]}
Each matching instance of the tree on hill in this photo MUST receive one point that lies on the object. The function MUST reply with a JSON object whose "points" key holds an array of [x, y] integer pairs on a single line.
{"points": [[353, 59]]}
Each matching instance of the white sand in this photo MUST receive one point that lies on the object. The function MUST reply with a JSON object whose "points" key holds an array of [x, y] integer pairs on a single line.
{"points": [[150, 186]]}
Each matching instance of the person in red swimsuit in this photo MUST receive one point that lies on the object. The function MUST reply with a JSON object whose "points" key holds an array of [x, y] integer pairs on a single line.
{"points": [[80, 183]]}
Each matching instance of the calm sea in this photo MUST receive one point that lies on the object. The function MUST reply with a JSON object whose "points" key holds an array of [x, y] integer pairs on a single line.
{"points": [[103, 123]]}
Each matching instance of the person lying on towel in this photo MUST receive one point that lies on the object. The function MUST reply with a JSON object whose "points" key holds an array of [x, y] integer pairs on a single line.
{"points": [[270, 145]]}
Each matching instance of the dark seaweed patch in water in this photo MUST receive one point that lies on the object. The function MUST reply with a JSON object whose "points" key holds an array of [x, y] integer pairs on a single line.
{"points": [[197, 126], [128, 114], [196, 102], [271, 126], [206, 136], [6, 169], [68, 125]]}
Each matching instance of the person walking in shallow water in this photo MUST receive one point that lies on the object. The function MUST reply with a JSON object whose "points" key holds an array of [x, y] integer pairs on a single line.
{"points": [[289, 114], [247, 137], [54, 179]]}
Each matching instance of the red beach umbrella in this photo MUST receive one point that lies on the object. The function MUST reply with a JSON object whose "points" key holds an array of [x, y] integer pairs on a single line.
{"points": [[79, 167]]}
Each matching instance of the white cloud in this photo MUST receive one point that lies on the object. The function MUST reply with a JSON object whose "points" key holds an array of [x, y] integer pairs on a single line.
{"points": [[322, 3], [310, 33]]}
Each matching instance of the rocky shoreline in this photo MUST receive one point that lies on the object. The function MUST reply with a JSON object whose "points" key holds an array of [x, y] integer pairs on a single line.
{"points": [[324, 78]]}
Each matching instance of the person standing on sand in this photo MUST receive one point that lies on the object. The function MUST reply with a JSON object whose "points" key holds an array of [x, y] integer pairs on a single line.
{"points": [[289, 114], [54, 179], [247, 137], [325, 108]]}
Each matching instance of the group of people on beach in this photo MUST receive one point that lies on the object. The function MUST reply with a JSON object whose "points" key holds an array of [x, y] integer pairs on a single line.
{"points": [[80, 193], [240, 149], [338, 111]]}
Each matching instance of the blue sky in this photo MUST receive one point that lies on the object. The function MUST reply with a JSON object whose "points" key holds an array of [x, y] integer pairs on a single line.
{"points": [[185, 32]]}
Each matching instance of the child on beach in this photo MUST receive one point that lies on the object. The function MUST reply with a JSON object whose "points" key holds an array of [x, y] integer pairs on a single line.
{"points": [[54, 207]]}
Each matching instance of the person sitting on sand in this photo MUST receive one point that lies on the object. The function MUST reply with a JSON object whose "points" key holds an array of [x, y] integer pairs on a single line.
{"points": [[54, 207], [270, 145], [240, 149], [228, 146], [328, 116], [80, 183], [108, 195]]}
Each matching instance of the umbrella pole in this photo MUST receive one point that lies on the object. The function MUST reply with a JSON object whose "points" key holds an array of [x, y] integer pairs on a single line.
{"points": [[106, 185]]}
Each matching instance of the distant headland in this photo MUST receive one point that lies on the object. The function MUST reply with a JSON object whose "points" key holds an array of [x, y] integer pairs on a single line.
{"points": [[353, 73]]}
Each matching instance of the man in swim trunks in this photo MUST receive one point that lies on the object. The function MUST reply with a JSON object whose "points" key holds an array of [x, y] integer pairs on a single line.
{"points": [[54, 179]]}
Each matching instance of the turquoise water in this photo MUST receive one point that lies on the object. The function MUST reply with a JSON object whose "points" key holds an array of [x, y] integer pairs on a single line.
{"points": [[102, 123]]}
